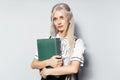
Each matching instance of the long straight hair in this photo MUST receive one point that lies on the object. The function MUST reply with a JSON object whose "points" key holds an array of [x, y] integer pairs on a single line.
{"points": [[70, 28]]}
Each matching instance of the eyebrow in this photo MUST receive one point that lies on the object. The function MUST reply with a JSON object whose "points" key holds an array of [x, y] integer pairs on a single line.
{"points": [[54, 18]]}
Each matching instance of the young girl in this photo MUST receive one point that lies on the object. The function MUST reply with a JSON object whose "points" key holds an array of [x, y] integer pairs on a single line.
{"points": [[72, 48]]}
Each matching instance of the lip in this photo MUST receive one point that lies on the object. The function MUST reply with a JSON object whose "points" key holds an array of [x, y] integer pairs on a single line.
{"points": [[60, 26]]}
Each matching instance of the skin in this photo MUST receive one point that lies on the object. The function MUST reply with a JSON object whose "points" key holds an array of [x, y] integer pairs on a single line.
{"points": [[61, 24], [53, 61]]}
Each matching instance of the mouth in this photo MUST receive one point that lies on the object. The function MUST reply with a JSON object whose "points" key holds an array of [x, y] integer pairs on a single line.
{"points": [[60, 26]]}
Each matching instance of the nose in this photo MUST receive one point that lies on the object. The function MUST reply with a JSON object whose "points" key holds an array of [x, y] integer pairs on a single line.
{"points": [[59, 22]]}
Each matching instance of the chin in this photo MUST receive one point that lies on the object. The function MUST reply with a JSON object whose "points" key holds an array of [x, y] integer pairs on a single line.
{"points": [[60, 30]]}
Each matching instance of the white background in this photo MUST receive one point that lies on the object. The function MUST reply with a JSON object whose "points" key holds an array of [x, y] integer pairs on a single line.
{"points": [[24, 21]]}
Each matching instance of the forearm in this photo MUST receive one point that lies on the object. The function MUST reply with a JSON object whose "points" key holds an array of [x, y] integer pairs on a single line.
{"points": [[53, 62], [61, 70], [39, 64], [70, 69]]}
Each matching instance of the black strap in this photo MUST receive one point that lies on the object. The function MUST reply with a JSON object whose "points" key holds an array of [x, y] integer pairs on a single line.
{"points": [[76, 76], [50, 37], [75, 38], [54, 78]]}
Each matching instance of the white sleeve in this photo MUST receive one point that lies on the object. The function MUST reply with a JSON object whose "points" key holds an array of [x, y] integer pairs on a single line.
{"points": [[78, 52], [36, 55]]}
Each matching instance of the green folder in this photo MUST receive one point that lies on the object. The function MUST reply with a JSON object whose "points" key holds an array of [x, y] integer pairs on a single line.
{"points": [[48, 47]]}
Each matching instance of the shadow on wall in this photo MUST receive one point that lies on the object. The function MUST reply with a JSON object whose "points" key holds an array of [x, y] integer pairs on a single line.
{"points": [[85, 71]]}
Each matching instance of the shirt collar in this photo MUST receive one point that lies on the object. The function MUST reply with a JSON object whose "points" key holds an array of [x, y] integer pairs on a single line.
{"points": [[57, 36]]}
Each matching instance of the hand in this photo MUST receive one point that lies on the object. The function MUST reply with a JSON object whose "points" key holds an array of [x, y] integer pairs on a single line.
{"points": [[55, 61], [44, 73]]}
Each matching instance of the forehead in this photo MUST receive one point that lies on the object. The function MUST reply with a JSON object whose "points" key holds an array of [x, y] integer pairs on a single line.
{"points": [[58, 13]]}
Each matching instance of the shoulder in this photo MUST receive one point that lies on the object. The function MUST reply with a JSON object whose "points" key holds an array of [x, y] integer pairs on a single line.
{"points": [[79, 43], [78, 40]]}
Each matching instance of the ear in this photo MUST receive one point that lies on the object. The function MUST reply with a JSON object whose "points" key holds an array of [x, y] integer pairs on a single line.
{"points": [[68, 17]]}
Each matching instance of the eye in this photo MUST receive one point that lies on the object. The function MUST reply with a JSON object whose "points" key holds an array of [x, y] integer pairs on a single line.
{"points": [[54, 19], [61, 17]]}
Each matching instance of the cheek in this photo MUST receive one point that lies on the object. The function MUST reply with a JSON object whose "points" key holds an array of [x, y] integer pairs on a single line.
{"points": [[65, 23], [54, 23]]}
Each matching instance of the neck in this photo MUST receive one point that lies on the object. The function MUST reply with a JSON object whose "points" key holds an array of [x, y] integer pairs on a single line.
{"points": [[62, 34]]}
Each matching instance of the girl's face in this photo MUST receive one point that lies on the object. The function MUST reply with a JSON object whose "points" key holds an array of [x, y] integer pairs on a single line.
{"points": [[60, 21]]}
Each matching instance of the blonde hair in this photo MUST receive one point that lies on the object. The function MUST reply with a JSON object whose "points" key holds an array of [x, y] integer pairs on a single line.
{"points": [[70, 30]]}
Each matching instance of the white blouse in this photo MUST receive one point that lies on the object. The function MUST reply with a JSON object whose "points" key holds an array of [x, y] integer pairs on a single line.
{"points": [[77, 53]]}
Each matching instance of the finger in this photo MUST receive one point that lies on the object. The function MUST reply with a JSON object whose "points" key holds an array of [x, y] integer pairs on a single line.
{"points": [[59, 60], [42, 75], [58, 57], [60, 63]]}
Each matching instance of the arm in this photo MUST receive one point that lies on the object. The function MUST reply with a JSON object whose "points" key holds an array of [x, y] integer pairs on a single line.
{"points": [[39, 64], [69, 69], [53, 61], [76, 61]]}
